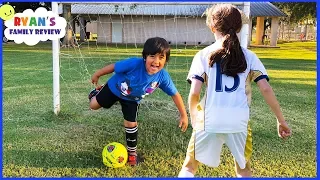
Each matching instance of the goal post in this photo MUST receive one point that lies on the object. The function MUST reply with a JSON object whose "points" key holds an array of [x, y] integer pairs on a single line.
{"points": [[56, 67], [244, 33]]}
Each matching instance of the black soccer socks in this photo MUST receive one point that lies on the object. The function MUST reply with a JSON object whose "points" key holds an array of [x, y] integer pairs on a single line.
{"points": [[131, 138]]}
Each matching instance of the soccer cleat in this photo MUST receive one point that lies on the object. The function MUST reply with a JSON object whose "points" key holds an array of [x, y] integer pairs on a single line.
{"points": [[94, 92], [132, 159]]}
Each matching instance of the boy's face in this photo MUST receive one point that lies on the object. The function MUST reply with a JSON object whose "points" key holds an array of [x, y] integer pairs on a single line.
{"points": [[154, 63]]}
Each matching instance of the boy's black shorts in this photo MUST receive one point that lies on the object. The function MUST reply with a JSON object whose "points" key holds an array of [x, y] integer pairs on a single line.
{"points": [[106, 99]]}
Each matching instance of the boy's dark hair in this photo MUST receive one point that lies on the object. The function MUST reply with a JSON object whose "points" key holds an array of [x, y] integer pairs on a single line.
{"points": [[156, 45], [227, 20]]}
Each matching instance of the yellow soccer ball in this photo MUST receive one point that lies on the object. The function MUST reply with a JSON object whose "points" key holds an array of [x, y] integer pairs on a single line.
{"points": [[114, 155]]}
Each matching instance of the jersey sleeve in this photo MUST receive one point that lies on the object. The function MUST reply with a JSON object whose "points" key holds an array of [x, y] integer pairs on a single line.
{"points": [[167, 85], [197, 69], [125, 65], [257, 69]]}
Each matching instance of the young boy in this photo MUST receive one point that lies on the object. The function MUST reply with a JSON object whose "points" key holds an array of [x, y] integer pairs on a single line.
{"points": [[134, 79]]}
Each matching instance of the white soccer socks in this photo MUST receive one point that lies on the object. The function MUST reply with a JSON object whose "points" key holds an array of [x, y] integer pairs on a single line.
{"points": [[184, 173]]}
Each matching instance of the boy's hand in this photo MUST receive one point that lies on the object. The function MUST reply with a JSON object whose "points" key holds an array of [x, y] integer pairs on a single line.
{"points": [[183, 124], [284, 130], [94, 79]]}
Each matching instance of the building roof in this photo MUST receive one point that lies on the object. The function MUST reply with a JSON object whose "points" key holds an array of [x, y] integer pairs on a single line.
{"points": [[256, 9], [265, 9]]}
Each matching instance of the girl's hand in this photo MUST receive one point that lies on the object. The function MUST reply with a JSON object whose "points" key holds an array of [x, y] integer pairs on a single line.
{"points": [[284, 130]]}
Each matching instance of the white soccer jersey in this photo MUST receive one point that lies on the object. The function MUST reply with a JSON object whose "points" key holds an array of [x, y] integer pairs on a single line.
{"points": [[226, 105]]}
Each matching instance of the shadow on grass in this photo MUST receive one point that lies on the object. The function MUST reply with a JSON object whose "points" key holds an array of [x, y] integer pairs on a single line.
{"points": [[49, 159], [62, 116], [270, 64], [289, 64]]}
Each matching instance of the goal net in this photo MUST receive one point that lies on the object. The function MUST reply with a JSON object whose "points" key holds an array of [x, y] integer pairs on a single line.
{"points": [[102, 33]]}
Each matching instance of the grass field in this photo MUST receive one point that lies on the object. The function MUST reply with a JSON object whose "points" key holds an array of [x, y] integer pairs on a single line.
{"points": [[39, 144]]}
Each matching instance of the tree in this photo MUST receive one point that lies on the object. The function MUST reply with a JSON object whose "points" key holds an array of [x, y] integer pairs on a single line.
{"points": [[302, 13], [298, 11], [69, 39]]}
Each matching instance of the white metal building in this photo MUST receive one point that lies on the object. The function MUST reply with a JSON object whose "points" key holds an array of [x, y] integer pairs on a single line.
{"points": [[130, 24]]}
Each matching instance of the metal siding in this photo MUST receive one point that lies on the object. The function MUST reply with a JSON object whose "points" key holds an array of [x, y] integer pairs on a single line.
{"points": [[256, 9], [176, 30]]}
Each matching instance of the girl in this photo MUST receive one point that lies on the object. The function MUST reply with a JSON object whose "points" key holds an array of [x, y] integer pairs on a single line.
{"points": [[222, 117]]}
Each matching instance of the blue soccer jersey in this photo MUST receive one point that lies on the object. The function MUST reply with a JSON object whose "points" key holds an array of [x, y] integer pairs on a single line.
{"points": [[131, 80]]}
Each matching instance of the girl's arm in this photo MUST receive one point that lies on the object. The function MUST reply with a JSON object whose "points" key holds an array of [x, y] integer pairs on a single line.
{"points": [[177, 99], [266, 90], [193, 100], [270, 98]]}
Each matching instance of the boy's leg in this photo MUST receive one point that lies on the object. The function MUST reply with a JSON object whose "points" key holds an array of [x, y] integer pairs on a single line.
{"points": [[132, 141], [94, 105], [130, 114], [131, 136], [102, 97]]}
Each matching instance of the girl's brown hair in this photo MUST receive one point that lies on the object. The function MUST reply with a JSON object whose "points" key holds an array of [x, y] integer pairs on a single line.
{"points": [[226, 19]]}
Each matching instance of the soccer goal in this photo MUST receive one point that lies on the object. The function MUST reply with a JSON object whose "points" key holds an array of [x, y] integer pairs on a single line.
{"points": [[103, 33]]}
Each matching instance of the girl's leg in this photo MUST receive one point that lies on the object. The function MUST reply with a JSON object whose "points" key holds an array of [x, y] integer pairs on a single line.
{"points": [[246, 172], [204, 148], [189, 167], [236, 142]]}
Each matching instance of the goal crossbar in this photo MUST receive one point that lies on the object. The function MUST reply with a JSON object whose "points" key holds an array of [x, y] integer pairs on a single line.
{"points": [[156, 3], [56, 44]]}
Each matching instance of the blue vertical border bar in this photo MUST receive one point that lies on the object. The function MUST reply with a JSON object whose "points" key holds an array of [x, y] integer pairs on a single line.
{"points": [[1, 70], [317, 84]]}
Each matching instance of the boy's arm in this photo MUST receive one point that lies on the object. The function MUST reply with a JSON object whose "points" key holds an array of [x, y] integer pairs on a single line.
{"points": [[177, 99], [103, 71], [270, 98], [193, 100]]}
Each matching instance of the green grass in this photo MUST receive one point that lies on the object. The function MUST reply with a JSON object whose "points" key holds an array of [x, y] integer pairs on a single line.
{"points": [[39, 144]]}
